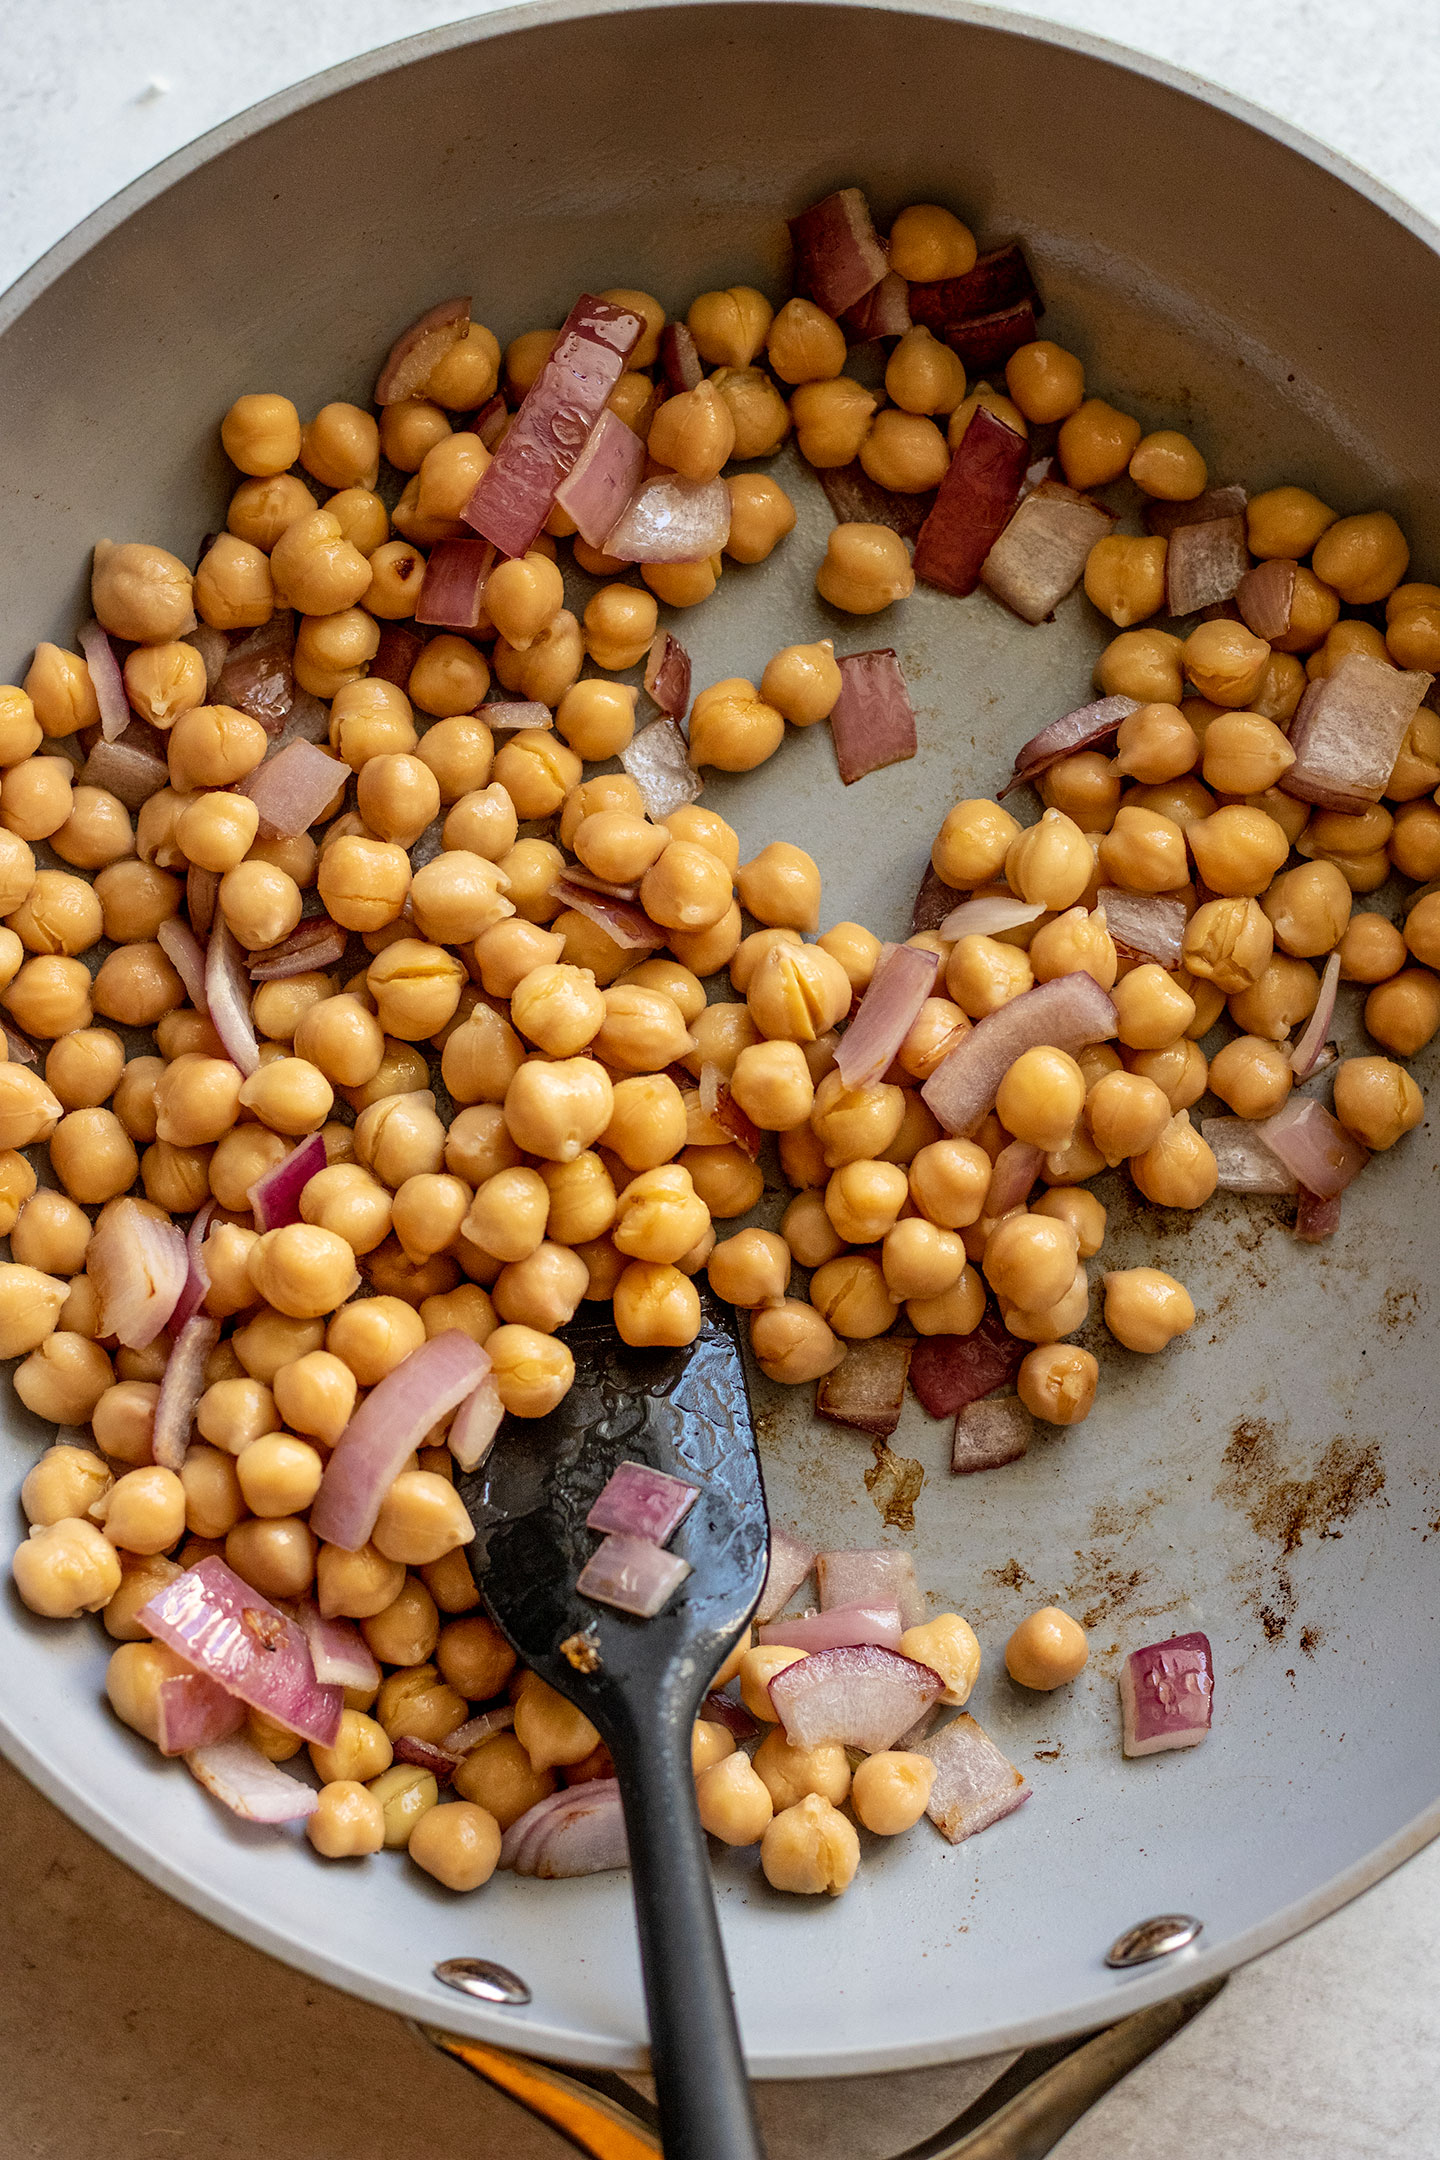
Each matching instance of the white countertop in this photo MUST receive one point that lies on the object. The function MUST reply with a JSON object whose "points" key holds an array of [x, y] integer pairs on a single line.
{"points": [[1327, 2050]]}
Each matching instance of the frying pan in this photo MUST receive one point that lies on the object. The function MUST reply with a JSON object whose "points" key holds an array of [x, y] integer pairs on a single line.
{"points": [[1272, 1479]]}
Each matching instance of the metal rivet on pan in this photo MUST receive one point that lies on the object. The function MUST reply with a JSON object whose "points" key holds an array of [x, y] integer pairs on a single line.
{"points": [[1156, 1938], [482, 1977]]}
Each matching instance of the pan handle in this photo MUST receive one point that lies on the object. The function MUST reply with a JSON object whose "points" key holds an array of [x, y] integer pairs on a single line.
{"points": [[1023, 2116]]}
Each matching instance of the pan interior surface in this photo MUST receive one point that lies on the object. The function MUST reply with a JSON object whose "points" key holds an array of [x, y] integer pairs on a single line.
{"points": [[1272, 1478]]}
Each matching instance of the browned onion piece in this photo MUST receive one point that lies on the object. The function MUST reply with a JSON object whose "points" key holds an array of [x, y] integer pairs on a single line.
{"points": [[1205, 563], [132, 767], [1243, 1163], [1264, 596], [1083, 729], [22, 1050], [631, 1574], [1317, 1219], [933, 902], [1068, 1013], [292, 788], [258, 678], [107, 680], [883, 313], [1315, 1146], [990, 1434], [856, 499], [987, 341], [667, 674], [1014, 1171], [1148, 925], [1166, 518], [999, 279], [863, 1696], [202, 890], [680, 364], [315, 943], [974, 504], [1040, 556], [872, 722], [1348, 731], [868, 1388], [1167, 1691], [839, 256], [451, 595], [420, 348], [742, 1129], [949, 1371], [975, 1785], [489, 422], [398, 650], [213, 647]]}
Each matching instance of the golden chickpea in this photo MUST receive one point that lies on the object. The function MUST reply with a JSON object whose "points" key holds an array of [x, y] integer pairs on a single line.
{"points": [[213, 1498], [693, 433], [679, 585], [348, 1822], [334, 650], [802, 682], [361, 1749], [406, 1793], [1226, 663], [1041, 1097], [261, 433], [981, 974], [781, 886], [363, 883], [1143, 852], [904, 452], [1143, 664], [1309, 908], [1178, 1169], [647, 1123], [363, 1585], [771, 1083], [729, 327], [412, 426], [1284, 995], [551, 663], [533, 1372], [852, 1296], [93, 1156], [1346, 639], [655, 1303], [864, 1199], [924, 376], [761, 514], [643, 1030], [421, 1517], [809, 1849], [1145, 1308], [64, 1569], [855, 1123], [315, 568], [1086, 787], [365, 523], [793, 1343], [416, 988], [973, 843], [891, 1789], [458, 1843], [64, 1378], [303, 1271], [1422, 929], [1404, 1013], [1126, 1114], [1156, 743], [61, 1485], [1125, 576], [1168, 466], [465, 375], [732, 727], [1364, 558], [450, 677], [261, 508], [544, 1290], [373, 1336], [140, 593], [921, 1261], [866, 567], [928, 242], [60, 691], [1286, 521], [36, 798], [1227, 942], [1238, 850], [1047, 1650], [276, 1555], [1371, 950], [1244, 753], [1030, 1260], [498, 1775], [279, 1476], [144, 1511], [804, 344], [788, 1772], [1046, 382], [1051, 863], [1251, 1076], [757, 1668], [948, 1182], [20, 732], [797, 993], [233, 586], [1376, 1100]]}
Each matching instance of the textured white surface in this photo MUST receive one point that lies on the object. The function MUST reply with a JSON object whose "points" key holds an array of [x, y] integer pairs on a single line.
{"points": [[1328, 2050]]}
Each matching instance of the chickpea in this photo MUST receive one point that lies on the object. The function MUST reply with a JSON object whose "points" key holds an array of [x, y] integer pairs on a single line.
{"points": [[693, 433], [948, 1182], [982, 974], [1041, 1097], [458, 1843], [144, 1511], [348, 1822], [1309, 909], [810, 1848], [1251, 1076], [363, 882], [261, 434], [363, 1585], [93, 1156], [365, 523], [756, 1670], [924, 376], [1376, 1100], [550, 1729], [1244, 753], [1143, 664], [1086, 787], [891, 1789], [731, 727], [804, 344], [278, 1475], [1226, 662], [466, 373], [65, 1568], [36, 798], [421, 1518], [1145, 1308], [1404, 1013], [1030, 1260], [1125, 576], [709, 1743], [750, 1268], [1371, 950], [793, 1343], [62, 1485], [1284, 995], [140, 593], [781, 885], [276, 1556], [544, 1290], [406, 1793], [533, 1372], [214, 1499], [643, 1030], [866, 567], [51, 1233], [1168, 466], [1051, 863], [864, 1199], [921, 1261], [729, 327], [734, 1802], [1364, 558], [475, 1658], [761, 514], [1155, 744], [1178, 1169], [788, 1772], [498, 1775], [141, 1578], [303, 1271], [853, 1298], [260, 510], [1227, 942], [772, 1085], [1344, 641], [856, 1123], [373, 1336], [904, 452], [123, 1420], [1047, 1650], [1238, 850]]}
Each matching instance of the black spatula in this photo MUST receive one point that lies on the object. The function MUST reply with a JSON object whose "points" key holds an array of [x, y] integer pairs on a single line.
{"points": [[686, 1412]]}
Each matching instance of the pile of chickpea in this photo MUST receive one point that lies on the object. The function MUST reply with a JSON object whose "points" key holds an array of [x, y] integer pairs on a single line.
{"points": [[575, 1158]]}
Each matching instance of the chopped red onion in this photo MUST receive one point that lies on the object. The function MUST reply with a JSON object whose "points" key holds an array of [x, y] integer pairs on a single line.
{"points": [[138, 1266], [839, 257], [202, 891], [987, 917], [856, 499], [129, 768], [476, 1423], [228, 997], [1166, 518], [888, 1011], [197, 1279], [1317, 1219], [250, 1646], [579, 1831], [1041, 554], [871, 1575], [1149, 925], [642, 1503], [1204, 563], [725, 1710], [575, 875], [867, 1389], [399, 648], [672, 520], [884, 312], [741, 1127], [192, 1711], [977, 496], [507, 716], [181, 1385], [949, 1371], [1308, 1140], [317, 943], [1308, 1050], [1014, 1171], [667, 675], [1348, 730], [975, 1784], [842, 1627], [489, 421], [606, 476], [862, 1697], [452, 591], [680, 362], [292, 788], [392, 1420], [1264, 597], [990, 1434], [872, 722], [657, 760], [426, 1755], [516, 492], [235, 1772], [1243, 1163], [420, 349], [1068, 1013], [477, 1729], [108, 682], [258, 677], [186, 955], [1167, 1693], [631, 1574], [999, 279], [22, 1051], [935, 903], [622, 920], [213, 647], [1084, 729], [790, 1563], [986, 342], [338, 1651], [275, 1197]]}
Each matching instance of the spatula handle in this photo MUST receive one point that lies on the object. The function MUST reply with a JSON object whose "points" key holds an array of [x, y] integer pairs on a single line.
{"points": [[700, 2083]]}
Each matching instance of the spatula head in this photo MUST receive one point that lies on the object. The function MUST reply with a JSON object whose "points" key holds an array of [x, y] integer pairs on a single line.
{"points": [[682, 1411]]}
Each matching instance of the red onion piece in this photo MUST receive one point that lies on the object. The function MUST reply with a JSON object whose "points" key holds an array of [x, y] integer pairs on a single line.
{"points": [[316, 943], [1348, 731], [108, 682], [680, 364], [138, 1267], [642, 1503], [1148, 925], [275, 1197], [873, 722], [508, 715], [197, 1279], [292, 788], [856, 499], [990, 1434], [1040, 556], [475, 1424], [985, 342], [516, 492], [843, 1627], [1204, 564], [867, 1389], [1307, 1052], [667, 675], [1166, 518], [741, 1127], [863, 1697], [186, 955], [249, 1645], [1167, 1694], [977, 496], [999, 279], [574, 875], [1264, 597], [452, 591], [621, 920], [202, 891], [975, 1785], [1243, 1162], [426, 1755], [839, 257], [987, 917], [1308, 1140], [884, 312], [22, 1051], [672, 520], [1317, 1219], [725, 1710], [181, 1385], [1068, 1013], [888, 1011], [1015, 1170], [580, 1831], [338, 1651], [420, 349], [935, 903], [489, 422], [227, 995], [604, 480], [192, 1711], [396, 654], [127, 768], [392, 1420], [949, 1371], [257, 1790], [214, 649], [478, 1729], [658, 761], [871, 1575], [258, 677], [1084, 729], [790, 1563], [631, 1574]]}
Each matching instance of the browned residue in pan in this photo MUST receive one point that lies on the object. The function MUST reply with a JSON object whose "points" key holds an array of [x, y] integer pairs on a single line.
{"points": [[1010, 1577], [893, 1483], [1283, 1503]]}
